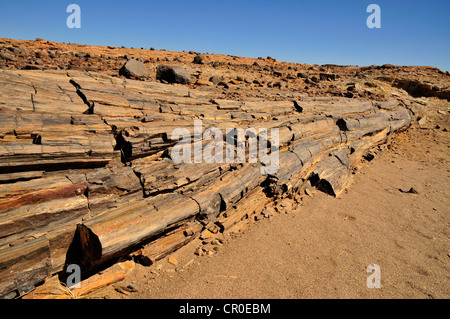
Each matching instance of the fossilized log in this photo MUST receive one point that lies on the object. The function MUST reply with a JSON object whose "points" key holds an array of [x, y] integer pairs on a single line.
{"points": [[169, 242], [113, 234], [87, 175]]}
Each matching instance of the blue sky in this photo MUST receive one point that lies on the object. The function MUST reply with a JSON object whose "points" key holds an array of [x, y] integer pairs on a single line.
{"points": [[305, 31]]}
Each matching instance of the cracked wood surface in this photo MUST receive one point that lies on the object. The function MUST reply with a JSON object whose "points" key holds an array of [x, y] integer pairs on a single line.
{"points": [[86, 176]]}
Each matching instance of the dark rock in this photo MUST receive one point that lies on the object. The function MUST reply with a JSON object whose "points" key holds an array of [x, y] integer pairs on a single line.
{"points": [[369, 157], [82, 55], [277, 74], [33, 67], [256, 64], [410, 191], [214, 79], [328, 76], [224, 84], [173, 74], [133, 68], [18, 50], [349, 95], [199, 59], [277, 85]]}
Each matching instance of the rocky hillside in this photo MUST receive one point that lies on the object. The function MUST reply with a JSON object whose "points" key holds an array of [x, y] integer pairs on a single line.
{"points": [[262, 77]]}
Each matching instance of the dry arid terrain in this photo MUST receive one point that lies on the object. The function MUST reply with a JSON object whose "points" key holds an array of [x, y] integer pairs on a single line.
{"points": [[394, 212], [259, 76], [322, 248]]}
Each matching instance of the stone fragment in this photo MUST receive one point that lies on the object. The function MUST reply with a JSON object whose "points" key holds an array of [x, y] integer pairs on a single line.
{"points": [[199, 59], [133, 68], [172, 260], [172, 74]]}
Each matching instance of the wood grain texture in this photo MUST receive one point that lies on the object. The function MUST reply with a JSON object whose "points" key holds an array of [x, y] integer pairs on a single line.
{"points": [[86, 173]]}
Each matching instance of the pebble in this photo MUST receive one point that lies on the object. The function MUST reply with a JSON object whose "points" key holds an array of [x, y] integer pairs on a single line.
{"points": [[190, 262], [199, 252], [173, 260]]}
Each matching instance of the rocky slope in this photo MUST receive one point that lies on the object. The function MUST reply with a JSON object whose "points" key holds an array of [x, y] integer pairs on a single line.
{"points": [[265, 77]]}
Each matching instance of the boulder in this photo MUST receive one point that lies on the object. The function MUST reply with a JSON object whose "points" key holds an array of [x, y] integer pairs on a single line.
{"points": [[18, 50], [133, 68], [8, 57], [82, 55], [172, 74], [199, 59]]}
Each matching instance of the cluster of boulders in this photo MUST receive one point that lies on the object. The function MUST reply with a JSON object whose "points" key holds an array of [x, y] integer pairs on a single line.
{"points": [[227, 73], [166, 74]]}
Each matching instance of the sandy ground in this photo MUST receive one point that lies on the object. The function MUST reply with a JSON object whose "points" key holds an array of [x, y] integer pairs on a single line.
{"points": [[323, 249]]}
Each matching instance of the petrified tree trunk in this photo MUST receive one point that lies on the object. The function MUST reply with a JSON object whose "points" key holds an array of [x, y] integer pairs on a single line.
{"points": [[86, 173]]}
